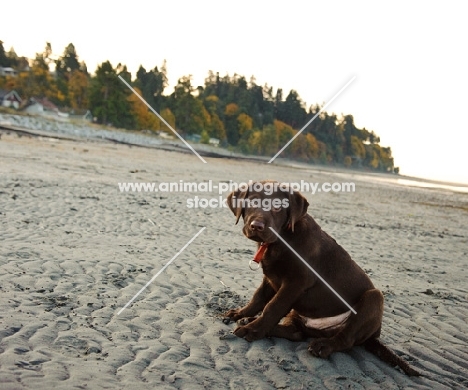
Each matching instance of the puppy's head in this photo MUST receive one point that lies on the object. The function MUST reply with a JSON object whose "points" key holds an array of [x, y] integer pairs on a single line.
{"points": [[264, 205]]}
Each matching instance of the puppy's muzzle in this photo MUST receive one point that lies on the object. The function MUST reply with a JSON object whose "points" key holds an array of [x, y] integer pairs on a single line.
{"points": [[256, 226]]}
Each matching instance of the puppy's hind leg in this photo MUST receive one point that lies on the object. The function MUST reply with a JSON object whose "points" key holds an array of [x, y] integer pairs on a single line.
{"points": [[289, 328], [357, 329]]}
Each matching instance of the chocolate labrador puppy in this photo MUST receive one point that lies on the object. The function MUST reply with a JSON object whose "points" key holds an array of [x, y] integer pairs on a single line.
{"points": [[293, 302]]}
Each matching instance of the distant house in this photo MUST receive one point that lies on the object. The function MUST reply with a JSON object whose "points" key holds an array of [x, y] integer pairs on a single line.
{"points": [[213, 141], [10, 99], [44, 107], [7, 71], [193, 138], [80, 115], [165, 135], [41, 106]]}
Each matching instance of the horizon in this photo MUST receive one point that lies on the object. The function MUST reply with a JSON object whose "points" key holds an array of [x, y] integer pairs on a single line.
{"points": [[410, 72]]}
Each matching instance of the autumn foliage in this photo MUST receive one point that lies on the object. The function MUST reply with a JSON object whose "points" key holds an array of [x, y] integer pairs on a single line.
{"points": [[242, 115]]}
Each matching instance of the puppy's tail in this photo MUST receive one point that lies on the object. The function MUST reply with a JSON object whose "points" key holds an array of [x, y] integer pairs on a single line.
{"points": [[388, 356]]}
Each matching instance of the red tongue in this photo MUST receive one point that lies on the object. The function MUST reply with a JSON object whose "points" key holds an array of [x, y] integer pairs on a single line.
{"points": [[260, 252]]}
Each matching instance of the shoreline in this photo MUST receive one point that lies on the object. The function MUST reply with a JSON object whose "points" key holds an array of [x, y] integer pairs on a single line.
{"points": [[208, 151]]}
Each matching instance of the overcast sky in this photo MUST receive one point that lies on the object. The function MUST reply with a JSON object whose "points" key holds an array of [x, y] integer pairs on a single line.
{"points": [[409, 58]]}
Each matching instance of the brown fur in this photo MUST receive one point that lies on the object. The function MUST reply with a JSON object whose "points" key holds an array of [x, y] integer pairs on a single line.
{"points": [[290, 293]]}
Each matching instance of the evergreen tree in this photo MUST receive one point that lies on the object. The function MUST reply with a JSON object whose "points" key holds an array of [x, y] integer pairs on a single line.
{"points": [[3, 58], [67, 63], [108, 96], [66, 66], [152, 85], [191, 116], [291, 111], [13, 58]]}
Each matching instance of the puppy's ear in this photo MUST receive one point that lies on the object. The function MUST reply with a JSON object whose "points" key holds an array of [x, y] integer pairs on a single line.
{"points": [[235, 202], [297, 208]]}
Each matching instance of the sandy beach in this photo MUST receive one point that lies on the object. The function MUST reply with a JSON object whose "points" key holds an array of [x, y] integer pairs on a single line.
{"points": [[75, 249]]}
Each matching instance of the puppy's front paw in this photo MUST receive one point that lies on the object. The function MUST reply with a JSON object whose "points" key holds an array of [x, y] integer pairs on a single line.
{"points": [[246, 320], [250, 333], [232, 316], [321, 348]]}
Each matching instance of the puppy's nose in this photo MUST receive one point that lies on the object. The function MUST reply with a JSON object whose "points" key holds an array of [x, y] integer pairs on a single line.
{"points": [[257, 225]]}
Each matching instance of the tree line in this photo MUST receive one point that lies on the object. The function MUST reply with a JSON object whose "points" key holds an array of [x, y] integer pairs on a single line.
{"points": [[244, 116]]}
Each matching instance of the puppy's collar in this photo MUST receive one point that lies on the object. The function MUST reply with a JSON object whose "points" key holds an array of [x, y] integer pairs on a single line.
{"points": [[260, 252], [258, 257]]}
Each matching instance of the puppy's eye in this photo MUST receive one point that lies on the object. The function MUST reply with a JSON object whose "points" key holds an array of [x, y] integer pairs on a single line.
{"points": [[276, 209]]}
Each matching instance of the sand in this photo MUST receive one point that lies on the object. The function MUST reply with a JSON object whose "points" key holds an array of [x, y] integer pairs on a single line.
{"points": [[74, 250]]}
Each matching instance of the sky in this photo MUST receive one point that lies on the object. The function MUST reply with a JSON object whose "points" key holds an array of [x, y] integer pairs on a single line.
{"points": [[409, 58]]}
